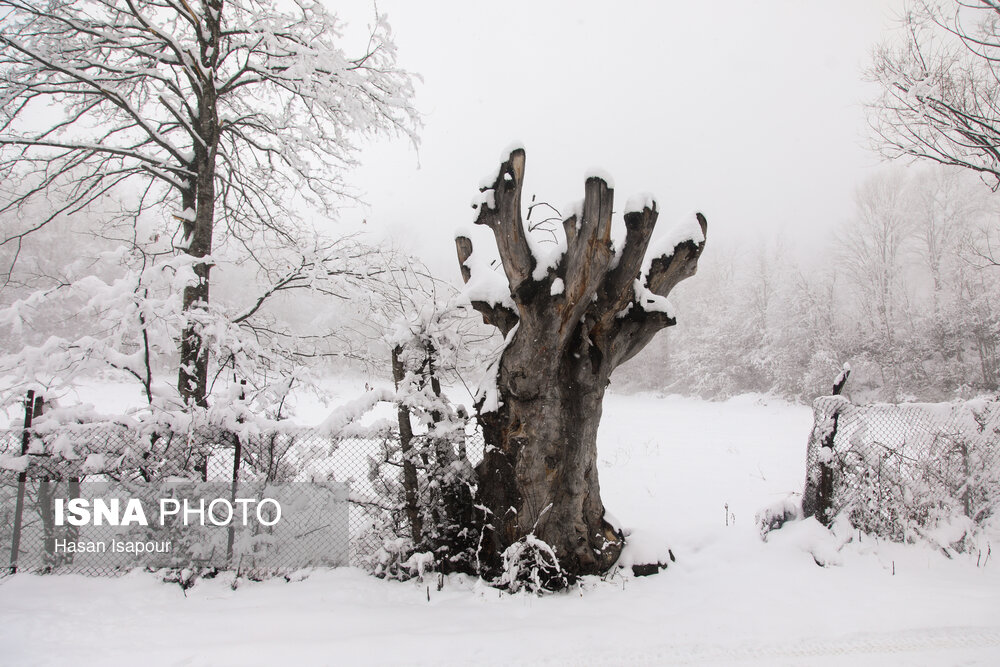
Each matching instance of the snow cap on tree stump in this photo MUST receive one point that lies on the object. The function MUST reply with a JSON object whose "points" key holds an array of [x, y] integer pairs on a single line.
{"points": [[571, 312]]}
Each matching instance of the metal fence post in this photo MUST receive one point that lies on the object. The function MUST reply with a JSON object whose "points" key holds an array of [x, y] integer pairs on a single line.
{"points": [[22, 478], [237, 457]]}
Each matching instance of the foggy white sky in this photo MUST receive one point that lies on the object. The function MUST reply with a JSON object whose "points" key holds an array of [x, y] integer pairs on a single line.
{"points": [[751, 112]]}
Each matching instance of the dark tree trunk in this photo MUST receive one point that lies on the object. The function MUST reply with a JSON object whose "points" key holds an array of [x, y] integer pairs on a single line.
{"points": [[544, 465], [410, 489], [539, 475], [199, 198], [192, 377]]}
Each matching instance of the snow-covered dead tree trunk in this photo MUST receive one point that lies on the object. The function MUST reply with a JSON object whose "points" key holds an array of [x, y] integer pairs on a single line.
{"points": [[569, 323]]}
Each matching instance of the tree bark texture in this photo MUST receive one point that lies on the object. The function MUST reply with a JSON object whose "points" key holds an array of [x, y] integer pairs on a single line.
{"points": [[410, 489], [539, 473], [198, 201]]}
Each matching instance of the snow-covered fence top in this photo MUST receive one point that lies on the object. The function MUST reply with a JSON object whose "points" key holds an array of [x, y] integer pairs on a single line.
{"points": [[331, 484], [906, 470]]}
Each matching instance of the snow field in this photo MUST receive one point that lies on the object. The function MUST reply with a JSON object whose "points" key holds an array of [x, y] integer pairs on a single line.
{"points": [[668, 466]]}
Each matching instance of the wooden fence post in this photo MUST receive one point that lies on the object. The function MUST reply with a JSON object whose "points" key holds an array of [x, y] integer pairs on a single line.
{"points": [[818, 497]]}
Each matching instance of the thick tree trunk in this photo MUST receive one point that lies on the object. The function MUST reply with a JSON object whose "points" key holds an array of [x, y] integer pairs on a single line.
{"points": [[540, 477], [192, 378], [198, 200], [568, 326]]}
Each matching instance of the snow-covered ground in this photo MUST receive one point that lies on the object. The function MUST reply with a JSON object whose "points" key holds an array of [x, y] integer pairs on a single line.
{"points": [[681, 473]]}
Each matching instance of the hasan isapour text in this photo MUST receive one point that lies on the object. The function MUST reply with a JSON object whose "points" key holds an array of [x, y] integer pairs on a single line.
{"points": [[113, 546]]}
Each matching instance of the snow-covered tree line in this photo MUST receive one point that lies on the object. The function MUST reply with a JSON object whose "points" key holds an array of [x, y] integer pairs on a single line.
{"points": [[106, 300], [906, 291]]}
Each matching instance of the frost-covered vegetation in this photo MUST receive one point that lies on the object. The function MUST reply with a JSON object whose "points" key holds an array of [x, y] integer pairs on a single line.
{"points": [[906, 291]]}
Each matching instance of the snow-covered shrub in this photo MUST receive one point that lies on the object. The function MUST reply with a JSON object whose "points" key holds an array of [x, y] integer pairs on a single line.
{"points": [[440, 505], [420, 563], [390, 559], [530, 564], [823, 543], [879, 502], [778, 514], [427, 476]]}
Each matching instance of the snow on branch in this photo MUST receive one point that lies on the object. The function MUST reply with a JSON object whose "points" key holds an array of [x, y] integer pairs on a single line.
{"points": [[354, 410], [675, 256], [938, 88], [502, 214], [485, 288], [258, 96], [614, 290]]}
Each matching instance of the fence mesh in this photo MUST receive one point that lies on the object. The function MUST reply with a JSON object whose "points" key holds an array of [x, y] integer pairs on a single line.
{"points": [[908, 470], [336, 494]]}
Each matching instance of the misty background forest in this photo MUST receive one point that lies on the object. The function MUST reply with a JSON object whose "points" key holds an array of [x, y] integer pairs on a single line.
{"points": [[905, 291]]}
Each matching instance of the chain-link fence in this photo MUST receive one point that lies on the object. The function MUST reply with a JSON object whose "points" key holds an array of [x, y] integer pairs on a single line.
{"points": [[68, 496], [905, 471]]}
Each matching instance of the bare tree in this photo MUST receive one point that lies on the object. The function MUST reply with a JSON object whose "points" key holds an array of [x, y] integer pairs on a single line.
{"points": [[222, 109], [872, 252], [944, 208], [874, 246], [570, 319], [940, 88]]}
